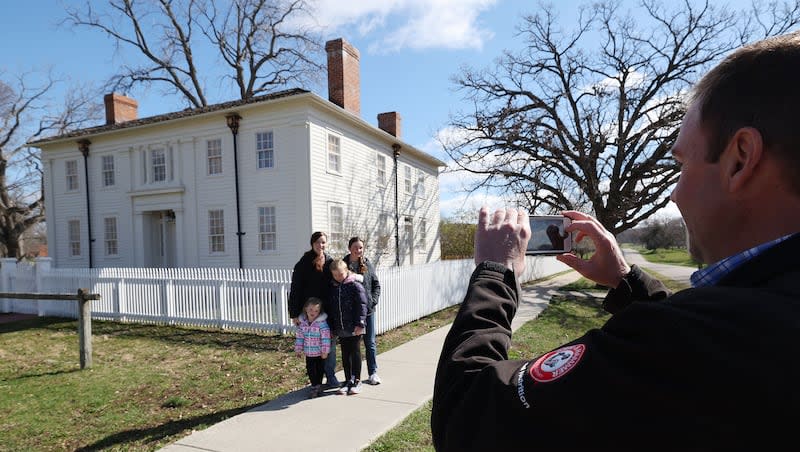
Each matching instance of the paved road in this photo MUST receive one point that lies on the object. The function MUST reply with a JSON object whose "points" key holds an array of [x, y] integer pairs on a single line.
{"points": [[679, 273]]}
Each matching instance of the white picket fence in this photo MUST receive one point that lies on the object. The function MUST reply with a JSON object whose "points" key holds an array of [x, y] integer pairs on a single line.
{"points": [[248, 299]]}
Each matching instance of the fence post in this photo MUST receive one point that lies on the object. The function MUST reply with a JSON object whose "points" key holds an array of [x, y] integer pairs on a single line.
{"points": [[84, 328]]}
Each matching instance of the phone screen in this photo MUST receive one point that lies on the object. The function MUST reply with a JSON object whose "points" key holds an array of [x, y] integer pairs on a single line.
{"points": [[548, 236]]}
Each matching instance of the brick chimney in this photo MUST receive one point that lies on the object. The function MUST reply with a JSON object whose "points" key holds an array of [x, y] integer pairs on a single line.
{"points": [[120, 108], [390, 122], [344, 80]]}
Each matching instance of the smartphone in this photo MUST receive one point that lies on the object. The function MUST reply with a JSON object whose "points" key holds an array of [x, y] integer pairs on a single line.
{"points": [[548, 235]]}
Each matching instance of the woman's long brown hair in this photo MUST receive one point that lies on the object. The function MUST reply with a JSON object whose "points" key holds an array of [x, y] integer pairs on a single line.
{"points": [[319, 261]]}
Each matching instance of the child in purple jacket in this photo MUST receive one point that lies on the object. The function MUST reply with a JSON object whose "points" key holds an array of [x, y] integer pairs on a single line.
{"points": [[313, 340]]}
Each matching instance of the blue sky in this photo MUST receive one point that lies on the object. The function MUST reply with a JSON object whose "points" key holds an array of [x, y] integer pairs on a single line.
{"points": [[409, 51]]}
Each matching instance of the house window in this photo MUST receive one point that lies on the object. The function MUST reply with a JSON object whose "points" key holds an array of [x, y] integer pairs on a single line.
{"points": [[74, 233], [72, 175], [265, 152], [384, 232], [407, 181], [421, 234], [107, 163], [334, 154], [420, 183], [408, 234], [380, 163], [267, 236], [110, 236], [214, 152], [216, 231], [158, 163], [336, 226]]}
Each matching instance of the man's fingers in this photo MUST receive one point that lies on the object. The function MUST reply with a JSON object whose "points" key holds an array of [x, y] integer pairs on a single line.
{"points": [[580, 217], [575, 215], [585, 227], [512, 215], [509, 221], [525, 223], [499, 216], [483, 217], [522, 217], [573, 261]]}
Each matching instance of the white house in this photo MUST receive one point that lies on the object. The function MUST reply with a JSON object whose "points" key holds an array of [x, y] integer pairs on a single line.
{"points": [[242, 183]]}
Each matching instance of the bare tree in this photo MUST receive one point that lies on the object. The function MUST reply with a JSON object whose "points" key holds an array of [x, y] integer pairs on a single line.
{"points": [[586, 119], [263, 44], [27, 114]]}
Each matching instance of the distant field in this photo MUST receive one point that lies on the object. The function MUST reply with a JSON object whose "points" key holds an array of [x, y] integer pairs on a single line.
{"points": [[676, 256]]}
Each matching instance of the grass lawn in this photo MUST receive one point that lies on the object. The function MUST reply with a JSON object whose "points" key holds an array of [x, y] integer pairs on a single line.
{"points": [[676, 256], [149, 385]]}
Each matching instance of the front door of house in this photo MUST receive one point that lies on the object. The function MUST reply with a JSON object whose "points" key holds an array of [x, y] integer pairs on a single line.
{"points": [[160, 239], [168, 247]]}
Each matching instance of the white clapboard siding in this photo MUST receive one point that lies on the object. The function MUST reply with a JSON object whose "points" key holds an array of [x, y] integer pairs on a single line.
{"points": [[248, 299]]}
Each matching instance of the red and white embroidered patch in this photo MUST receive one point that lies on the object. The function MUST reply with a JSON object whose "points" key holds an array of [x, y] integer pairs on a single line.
{"points": [[555, 364]]}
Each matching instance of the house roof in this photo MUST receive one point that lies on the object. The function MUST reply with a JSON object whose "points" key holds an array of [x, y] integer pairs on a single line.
{"points": [[185, 113], [221, 107]]}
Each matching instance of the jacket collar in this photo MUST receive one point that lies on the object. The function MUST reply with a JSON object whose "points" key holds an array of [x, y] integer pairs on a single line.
{"points": [[767, 265]]}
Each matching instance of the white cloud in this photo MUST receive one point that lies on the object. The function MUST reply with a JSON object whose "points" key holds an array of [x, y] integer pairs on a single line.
{"points": [[469, 203], [670, 210], [455, 185], [451, 180], [416, 24], [610, 85], [447, 136]]}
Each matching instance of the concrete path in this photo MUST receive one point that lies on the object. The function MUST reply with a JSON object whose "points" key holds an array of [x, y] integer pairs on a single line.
{"points": [[334, 423], [679, 273]]}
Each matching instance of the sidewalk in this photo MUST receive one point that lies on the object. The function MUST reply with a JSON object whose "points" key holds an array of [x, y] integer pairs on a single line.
{"points": [[334, 423], [679, 273]]}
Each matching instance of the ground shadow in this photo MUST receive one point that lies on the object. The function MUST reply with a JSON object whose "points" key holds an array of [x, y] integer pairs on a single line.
{"points": [[165, 333], [42, 374], [154, 434], [35, 322], [292, 398]]}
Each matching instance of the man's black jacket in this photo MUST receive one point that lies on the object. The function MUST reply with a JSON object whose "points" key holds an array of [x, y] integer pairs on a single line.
{"points": [[711, 368]]}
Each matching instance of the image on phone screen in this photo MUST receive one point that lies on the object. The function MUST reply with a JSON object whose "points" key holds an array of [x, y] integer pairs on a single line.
{"points": [[548, 236]]}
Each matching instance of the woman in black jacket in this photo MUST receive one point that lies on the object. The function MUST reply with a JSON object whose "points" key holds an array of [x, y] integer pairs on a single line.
{"points": [[312, 278]]}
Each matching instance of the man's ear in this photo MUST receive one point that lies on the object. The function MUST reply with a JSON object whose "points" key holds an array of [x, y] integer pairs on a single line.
{"points": [[742, 157]]}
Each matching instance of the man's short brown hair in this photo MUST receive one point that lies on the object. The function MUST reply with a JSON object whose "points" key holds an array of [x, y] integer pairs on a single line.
{"points": [[756, 86]]}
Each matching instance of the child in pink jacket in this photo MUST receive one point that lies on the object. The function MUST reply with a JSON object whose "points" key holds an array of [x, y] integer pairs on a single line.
{"points": [[313, 340]]}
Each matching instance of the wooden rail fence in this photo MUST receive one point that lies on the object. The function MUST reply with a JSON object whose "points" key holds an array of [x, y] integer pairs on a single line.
{"points": [[83, 297]]}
